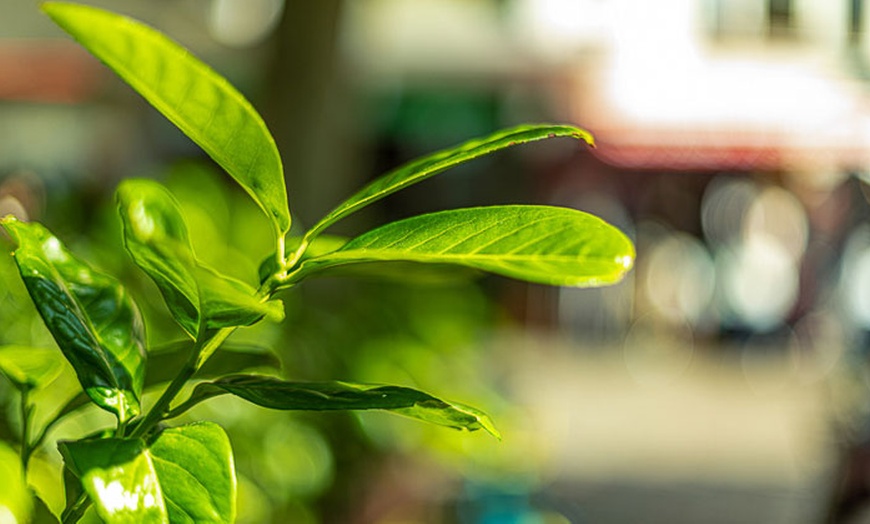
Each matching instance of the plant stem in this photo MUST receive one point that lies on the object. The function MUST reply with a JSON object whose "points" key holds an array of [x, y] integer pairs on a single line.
{"points": [[73, 513], [202, 350], [162, 405], [26, 412]]}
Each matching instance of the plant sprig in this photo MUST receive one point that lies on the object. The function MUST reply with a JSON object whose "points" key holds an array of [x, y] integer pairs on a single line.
{"points": [[99, 329]]}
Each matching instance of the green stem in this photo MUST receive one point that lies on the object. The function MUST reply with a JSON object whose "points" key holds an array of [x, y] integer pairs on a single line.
{"points": [[203, 349], [187, 404], [122, 428], [279, 280], [26, 412], [75, 512], [162, 404]]}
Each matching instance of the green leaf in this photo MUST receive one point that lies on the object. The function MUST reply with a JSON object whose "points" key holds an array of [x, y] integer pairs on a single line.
{"points": [[228, 302], [542, 244], [119, 477], [206, 107], [435, 163], [274, 393], [195, 466], [92, 318], [42, 514], [29, 367], [157, 238], [15, 501]]}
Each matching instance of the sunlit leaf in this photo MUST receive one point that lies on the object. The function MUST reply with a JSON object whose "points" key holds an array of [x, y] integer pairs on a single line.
{"points": [[29, 367], [228, 302], [542, 244], [274, 393], [95, 323], [194, 464], [44, 478], [156, 236], [435, 163], [190, 94], [15, 502], [119, 477]]}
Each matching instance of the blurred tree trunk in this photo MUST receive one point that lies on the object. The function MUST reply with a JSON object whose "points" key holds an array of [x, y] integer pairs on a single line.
{"points": [[309, 107], [309, 110]]}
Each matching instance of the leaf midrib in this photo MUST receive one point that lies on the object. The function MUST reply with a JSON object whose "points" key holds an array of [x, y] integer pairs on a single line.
{"points": [[392, 254]]}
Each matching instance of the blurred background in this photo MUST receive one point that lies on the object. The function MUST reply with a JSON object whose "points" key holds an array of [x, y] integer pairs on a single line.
{"points": [[726, 380]]}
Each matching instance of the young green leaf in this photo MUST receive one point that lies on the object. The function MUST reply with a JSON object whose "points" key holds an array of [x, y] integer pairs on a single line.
{"points": [[227, 302], [96, 324], [119, 477], [275, 393], [542, 244], [206, 107], [194, 464], [29, 367], [156, 236], [435, 163]]}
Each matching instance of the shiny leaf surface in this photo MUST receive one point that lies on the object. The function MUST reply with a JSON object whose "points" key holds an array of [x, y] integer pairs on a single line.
{"points": [[274, 393], [157, 239], [194, 464], [94, 322], [119, 477], [542, 244], [156, 236], [206, 107], [430, 165], [228, 302]]}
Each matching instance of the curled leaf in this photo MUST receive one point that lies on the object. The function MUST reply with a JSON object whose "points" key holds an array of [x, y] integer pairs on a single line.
{"points": [[274, 393]]}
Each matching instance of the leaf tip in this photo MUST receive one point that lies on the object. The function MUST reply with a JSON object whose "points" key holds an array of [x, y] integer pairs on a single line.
{"points": [[491, 429], [586, 136], [50, 8]]}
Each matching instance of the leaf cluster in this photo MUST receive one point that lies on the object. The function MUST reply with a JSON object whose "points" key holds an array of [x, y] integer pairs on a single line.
{"points": [[142, 469]]}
